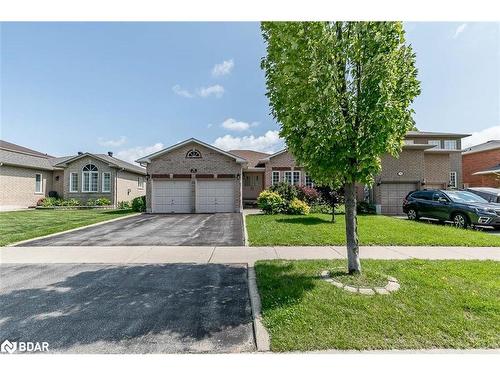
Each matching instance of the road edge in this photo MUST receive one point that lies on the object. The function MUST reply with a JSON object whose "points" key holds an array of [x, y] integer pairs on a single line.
{"points": [[262, 340]]}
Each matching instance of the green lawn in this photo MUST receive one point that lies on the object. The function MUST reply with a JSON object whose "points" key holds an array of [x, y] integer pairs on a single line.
{"points": [[22, 225], [317, 229], [441, 304]]}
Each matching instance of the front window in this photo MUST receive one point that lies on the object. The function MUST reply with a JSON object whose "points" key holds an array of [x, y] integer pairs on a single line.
{"points": [[276, 177], [434, 142], [38, 183], [309, 181], [140, 182], [106, 182], [73, 182], [450, 144], [288, 177], [453, 180], [90, 180], [296, 178], [465, 197]]}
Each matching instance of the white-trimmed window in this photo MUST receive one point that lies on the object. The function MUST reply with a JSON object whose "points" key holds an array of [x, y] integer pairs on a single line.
{"points": [[450, 144], [276, 177], [453, 179], [296, 178], [409, 142], [106, 182], [38, 183], [140, 182], [434, 142], [287, 177], [309, 181], [90, 179], [73, 182]]}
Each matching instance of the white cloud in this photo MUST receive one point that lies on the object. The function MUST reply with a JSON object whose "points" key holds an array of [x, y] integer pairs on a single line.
{"points": [[216, 90], [223, 68], [182, 92], [232, 124], [269, 142], [459, 30], [112, 142], [134, 153], [203, 92], [481, 136]]}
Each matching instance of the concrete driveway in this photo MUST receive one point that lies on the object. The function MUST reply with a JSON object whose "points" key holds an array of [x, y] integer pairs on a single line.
{"points": [[224, 229], [85, 308]]}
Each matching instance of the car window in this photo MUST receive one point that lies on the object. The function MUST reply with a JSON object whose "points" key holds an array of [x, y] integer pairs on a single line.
{"points": [[427, 195], [465, 197], [417, 195], [438, 195]]}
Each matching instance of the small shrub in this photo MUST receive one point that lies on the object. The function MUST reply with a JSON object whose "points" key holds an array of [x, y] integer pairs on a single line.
{"points": [[321, 209], [70, 202], [139, 204], [365, 208], [50, 202], [40, 202], [286, 191], [308, 194], [298, 207], [270, 202], [99, 202], [123, 205]]}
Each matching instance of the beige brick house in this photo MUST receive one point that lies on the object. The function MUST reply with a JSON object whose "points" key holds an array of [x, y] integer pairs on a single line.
{"points": [[27, 175]]}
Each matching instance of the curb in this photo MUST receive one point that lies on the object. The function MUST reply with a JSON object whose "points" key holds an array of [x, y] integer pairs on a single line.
{"points": [[71, 230], [261, 335]]}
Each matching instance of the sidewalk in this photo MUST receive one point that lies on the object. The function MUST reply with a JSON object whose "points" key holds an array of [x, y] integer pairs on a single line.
{"points": [[242, 254]]}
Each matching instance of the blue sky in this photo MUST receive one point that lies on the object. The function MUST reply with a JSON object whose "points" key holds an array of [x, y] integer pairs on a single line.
{"points": [[134, 88]]}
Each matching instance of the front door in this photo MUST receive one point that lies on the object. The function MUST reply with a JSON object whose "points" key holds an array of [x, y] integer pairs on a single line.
{"points": [[253, 184]]}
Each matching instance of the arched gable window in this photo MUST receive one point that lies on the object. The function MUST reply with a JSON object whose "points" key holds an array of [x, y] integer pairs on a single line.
{"points": [[90, 178], [193, 154]]}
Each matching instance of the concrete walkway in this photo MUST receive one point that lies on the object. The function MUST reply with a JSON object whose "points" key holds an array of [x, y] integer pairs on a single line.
{"points": [[225, 255]]}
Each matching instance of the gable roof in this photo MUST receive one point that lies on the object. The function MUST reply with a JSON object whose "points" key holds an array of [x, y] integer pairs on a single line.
{"points": [[147, 159], [416, 133], [252, 157], [4, 145], [273, 155], [21, 159], [112, 161], [490, 145]]}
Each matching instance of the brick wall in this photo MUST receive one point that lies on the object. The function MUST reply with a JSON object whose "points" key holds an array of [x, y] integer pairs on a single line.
{"points": [[476, 162], [17, 186], [283, 160], [127, 186]]}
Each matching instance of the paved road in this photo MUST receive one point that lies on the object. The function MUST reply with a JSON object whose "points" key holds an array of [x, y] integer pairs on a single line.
{"points": [[84, 308], [225, 229]]}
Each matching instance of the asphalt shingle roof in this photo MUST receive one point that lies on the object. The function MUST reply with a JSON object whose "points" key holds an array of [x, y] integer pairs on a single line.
{"points": [[251, 156]]}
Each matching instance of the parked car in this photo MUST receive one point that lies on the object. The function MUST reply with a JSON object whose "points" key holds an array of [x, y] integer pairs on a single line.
{"points": [[463, 208], [488, 193]]}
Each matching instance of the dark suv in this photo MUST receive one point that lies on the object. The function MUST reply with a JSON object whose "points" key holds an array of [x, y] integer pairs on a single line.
{"points": [[463, 208]]}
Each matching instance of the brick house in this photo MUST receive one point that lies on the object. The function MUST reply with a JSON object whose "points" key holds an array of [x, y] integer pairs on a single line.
{"points": [[27, 175], [481, 165], [193, 176]]}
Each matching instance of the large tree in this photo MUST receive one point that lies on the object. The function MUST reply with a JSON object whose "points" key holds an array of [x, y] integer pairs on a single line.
{"points": [[342, 94]]}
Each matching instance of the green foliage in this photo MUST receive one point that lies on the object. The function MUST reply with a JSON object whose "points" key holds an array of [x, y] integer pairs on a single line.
{"points": [[286, 191], [139, 204], [70, 202], [298, 207], [123, 205], [365, 208], [321, 209], [270, 202], [99, 202], [342, 93], [54, 202]]}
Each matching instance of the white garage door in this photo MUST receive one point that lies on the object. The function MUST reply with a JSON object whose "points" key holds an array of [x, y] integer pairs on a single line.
{"points": [[214, 196], [171, 196], [392, 196]]}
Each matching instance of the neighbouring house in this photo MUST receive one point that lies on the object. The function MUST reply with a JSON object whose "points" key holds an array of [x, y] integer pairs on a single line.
{"points": [[193, 176], [27, 175], [481, 165]]}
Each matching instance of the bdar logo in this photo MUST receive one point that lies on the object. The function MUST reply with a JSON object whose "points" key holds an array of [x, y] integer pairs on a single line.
{"points": [[8, 347]]}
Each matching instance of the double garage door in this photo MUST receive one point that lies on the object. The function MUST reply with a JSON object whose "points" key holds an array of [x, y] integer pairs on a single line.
{"points": [[392, 196], [180, 197]]}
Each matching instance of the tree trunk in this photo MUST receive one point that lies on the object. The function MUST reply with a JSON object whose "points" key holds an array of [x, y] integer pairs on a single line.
{"points": [[351, 229]]}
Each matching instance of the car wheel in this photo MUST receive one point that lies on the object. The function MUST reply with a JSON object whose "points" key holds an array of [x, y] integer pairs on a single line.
{"points": [[412, 214], [460, 221]]}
